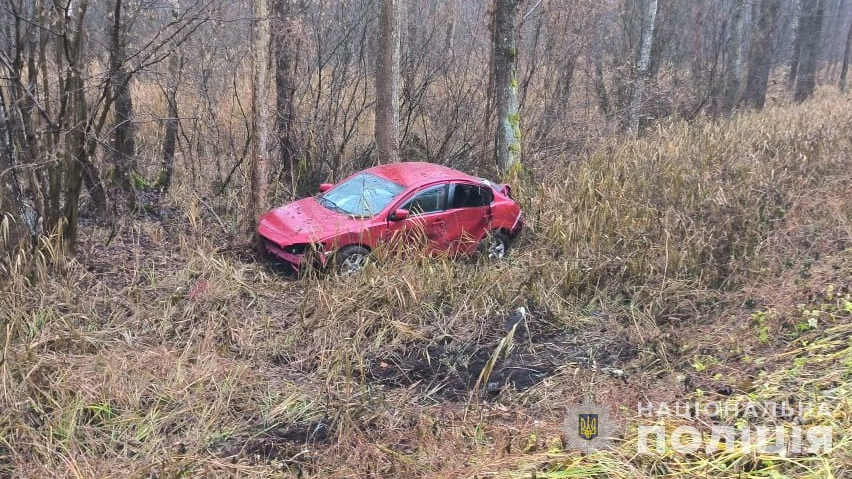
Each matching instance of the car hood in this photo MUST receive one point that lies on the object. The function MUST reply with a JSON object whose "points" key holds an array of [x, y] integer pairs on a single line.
{"points": [[306, 221]]}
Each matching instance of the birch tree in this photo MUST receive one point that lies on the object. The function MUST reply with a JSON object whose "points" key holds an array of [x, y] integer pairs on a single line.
{"points": [[734, 57], [643, 68], [797, 28]]}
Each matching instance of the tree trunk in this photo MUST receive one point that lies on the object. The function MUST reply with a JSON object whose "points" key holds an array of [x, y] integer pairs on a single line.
{"points": [[452, 14], [12, 213], [74, 125], [797, 27], [848, 52], [831, 45], [387, 81], [287, 40], [123, 153], [734, 58], [164, 179], [642, 68], [505, 57], [599, 82], [810, 28], [260, 115], [17, 217], [75, 153], [760, 54]]}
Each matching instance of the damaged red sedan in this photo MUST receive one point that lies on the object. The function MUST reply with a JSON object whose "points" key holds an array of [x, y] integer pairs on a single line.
{"points": [[418, 206]]}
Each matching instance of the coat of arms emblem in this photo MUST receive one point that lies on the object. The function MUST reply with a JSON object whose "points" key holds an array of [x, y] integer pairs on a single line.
{"points": [[587, 427]]}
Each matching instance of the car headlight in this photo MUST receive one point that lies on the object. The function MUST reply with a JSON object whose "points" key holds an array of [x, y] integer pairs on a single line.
{"points": [[304, 248], [296, 248]]}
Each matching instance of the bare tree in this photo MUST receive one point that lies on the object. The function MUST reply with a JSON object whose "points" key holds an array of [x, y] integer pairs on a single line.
{"points": [[586, 69], [387, 81], [172, 123], [504, 58], [847, 53], [833, 34], [123, 152], [810, 30], [59, 103], [452, 19], [734, 57], [76, 124], [642, 68], [287, 38], [12, 214], [260, 114], [760, 54], [797, 28], [549, 71]]}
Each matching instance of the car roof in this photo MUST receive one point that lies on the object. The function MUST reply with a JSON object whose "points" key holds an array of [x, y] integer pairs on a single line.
{"points": [[413, 173]]}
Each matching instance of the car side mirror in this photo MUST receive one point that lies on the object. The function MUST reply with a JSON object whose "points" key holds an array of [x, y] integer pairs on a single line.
{"points": [[398, 215], [325, 187]]}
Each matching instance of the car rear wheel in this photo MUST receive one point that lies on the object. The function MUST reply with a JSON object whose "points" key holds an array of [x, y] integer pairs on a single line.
{"points": [[352, 259], [495, 245]]}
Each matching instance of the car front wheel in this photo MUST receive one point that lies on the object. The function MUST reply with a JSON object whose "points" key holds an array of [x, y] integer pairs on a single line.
{"points": [[352, 259], [495, 245]]}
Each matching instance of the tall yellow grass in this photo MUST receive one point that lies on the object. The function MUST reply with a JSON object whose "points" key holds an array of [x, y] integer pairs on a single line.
{"points": [[165, 354]]}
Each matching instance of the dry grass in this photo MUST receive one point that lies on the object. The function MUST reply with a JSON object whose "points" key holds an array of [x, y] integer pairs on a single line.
{"points": [[644, 273]]}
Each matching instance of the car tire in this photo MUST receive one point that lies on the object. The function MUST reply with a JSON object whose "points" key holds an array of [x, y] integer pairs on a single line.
{"points": [[352, 259], [495, 245]]}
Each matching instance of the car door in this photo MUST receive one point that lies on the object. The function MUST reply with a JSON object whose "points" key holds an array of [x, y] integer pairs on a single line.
{"points": [[425, 228], [468, 215]]}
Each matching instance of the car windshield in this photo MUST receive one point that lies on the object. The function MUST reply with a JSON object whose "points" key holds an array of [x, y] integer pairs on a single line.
{"points": [[362, 195]]}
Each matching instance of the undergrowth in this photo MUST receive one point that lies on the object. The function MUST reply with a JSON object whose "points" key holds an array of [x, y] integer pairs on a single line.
{"points": [[689, 263]]}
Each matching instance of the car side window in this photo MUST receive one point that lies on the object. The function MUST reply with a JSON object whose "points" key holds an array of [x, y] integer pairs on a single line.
{"points": [[429, 200], [471, 196]]}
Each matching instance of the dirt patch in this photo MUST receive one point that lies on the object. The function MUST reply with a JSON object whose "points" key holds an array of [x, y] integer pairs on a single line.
{"points": [[450, 369], [291, 444]]}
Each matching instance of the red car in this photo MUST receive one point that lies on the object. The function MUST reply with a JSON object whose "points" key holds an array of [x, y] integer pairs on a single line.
{"points": [[422, 204]]}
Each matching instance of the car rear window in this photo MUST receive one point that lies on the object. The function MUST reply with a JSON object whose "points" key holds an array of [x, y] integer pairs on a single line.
{"points": [[471, 196]]}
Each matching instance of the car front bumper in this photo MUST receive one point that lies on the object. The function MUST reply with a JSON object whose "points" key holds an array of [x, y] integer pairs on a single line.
{"points": [[300, 257]]}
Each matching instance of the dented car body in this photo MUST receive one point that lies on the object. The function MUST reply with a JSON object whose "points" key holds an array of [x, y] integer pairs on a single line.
{"points": [[411, 205]]}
